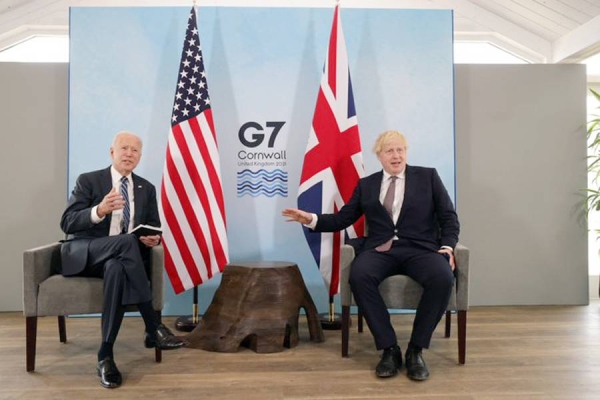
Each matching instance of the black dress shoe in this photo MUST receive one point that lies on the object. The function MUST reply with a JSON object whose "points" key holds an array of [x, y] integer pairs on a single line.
{"points": [[391, 361], [163, 339], [109, 374], [415, 365]]}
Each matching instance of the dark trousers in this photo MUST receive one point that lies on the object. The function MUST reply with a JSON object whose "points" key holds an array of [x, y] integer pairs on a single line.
{"points": [[426, 267], [118, 261]]}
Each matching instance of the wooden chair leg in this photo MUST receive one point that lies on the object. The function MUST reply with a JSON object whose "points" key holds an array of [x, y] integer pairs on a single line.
{"points": [[462, 336], [30, 339], [62, 329], [345, 329], [360, 321], [158, 352], [448, 323]]}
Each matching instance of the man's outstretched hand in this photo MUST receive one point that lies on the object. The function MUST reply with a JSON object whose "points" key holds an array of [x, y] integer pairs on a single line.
{"points": [[295, 215]]}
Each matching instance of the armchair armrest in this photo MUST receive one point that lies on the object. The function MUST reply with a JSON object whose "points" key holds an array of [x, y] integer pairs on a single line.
{"points": [[346, 257], [157, 277], [38, 264], [461, 254]]}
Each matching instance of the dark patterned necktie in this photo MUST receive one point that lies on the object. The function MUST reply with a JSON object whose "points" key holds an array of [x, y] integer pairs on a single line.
{"points": [[388, 200], [125, 194], [388, 204]]}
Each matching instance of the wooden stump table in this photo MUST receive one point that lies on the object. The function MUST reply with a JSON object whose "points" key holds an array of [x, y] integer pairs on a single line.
{"points": [[257, 305]]}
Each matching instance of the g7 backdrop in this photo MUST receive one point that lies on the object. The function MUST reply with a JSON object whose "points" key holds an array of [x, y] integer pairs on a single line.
{"points": [[264, 67]]}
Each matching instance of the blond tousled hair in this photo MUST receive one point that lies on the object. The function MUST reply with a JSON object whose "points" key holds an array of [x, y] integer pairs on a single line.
{"points": [[386, 137]]}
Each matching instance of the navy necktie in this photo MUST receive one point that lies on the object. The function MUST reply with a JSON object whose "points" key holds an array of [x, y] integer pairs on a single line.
{"points": [[125, 194]]}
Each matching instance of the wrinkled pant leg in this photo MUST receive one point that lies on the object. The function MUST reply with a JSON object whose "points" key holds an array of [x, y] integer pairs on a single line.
{"points": [[432, 271], [117, 260], [125, 249], [368, 270], [112, 309]]}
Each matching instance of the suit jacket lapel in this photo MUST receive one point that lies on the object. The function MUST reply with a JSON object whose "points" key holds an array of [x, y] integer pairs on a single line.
{"points": [[106, 186], [138, 199], [375, 191], [408, 192]]}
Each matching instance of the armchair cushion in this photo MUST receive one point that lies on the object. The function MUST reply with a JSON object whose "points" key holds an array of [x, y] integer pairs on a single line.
{"points": [[70, 296], [47, 293]]}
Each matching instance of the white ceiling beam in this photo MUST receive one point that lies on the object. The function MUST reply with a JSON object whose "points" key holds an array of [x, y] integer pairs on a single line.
{"points": [[25, 32], [515, 35], [35, 13], [33, 17], [578, 44]]}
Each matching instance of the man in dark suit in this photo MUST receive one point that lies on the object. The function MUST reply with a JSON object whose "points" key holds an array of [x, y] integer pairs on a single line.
{"points": [[104, 206], [412, 230]]}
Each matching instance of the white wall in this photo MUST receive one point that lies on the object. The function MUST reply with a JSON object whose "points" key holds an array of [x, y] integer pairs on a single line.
{"points": [[33, 126], [521, 166]]}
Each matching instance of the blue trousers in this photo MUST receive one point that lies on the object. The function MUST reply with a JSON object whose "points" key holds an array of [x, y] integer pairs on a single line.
{"points": [[428, 268], [118, 261]]}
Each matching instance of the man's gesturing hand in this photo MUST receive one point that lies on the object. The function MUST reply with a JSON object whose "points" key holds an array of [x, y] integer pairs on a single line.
{"points": [[111, 202], [293, 214]]}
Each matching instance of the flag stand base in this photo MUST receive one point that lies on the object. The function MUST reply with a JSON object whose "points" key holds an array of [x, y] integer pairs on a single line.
{"points": [[330, 324], [186, 324]]}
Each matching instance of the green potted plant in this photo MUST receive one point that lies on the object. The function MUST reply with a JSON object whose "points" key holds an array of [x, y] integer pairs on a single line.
{"points": [[592, 202]]}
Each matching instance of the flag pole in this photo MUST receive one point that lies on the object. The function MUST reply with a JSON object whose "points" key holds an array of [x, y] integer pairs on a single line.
{"points": [[330, 320], [189, 322]]}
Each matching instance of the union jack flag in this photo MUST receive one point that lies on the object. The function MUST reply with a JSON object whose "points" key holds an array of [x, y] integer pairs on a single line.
{"points": [[333, 161], [195, 237]]}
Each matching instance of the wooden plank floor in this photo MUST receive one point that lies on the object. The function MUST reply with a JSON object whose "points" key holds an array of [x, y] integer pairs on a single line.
{"points": [[512, 353]]}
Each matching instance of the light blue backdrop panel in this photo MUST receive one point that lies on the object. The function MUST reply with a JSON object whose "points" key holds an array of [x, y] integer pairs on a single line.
{"points": [[263, 65]]}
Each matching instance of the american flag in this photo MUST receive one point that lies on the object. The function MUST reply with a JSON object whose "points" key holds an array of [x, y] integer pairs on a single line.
{"points": [[193, 211], [333, 161]]}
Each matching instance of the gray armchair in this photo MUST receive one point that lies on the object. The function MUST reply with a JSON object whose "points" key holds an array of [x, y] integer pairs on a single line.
{"points": [[47, 293], [401, 292]]}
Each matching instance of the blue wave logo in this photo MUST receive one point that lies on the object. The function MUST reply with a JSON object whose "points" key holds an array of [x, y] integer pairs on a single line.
{"points": [[262, 183]]}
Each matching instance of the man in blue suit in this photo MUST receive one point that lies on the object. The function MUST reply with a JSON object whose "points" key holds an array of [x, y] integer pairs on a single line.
{"points": [[104, 206], [412, 230]]}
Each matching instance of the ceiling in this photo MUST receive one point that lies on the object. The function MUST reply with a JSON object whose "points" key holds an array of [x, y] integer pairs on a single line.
{"points": [[541, 31]]}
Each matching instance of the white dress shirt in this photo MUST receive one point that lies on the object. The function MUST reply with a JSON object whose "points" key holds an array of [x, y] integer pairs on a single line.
{"points": [[398, 195], [117, 215]]}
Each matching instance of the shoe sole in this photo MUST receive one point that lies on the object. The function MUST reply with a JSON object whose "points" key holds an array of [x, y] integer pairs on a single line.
{"points": [[165, 348], [417, 379], [390, 375], [386, 376]]}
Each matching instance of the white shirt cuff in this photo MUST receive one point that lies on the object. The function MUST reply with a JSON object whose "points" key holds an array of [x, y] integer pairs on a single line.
{"points": [[312, 223], [94, 216]]}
